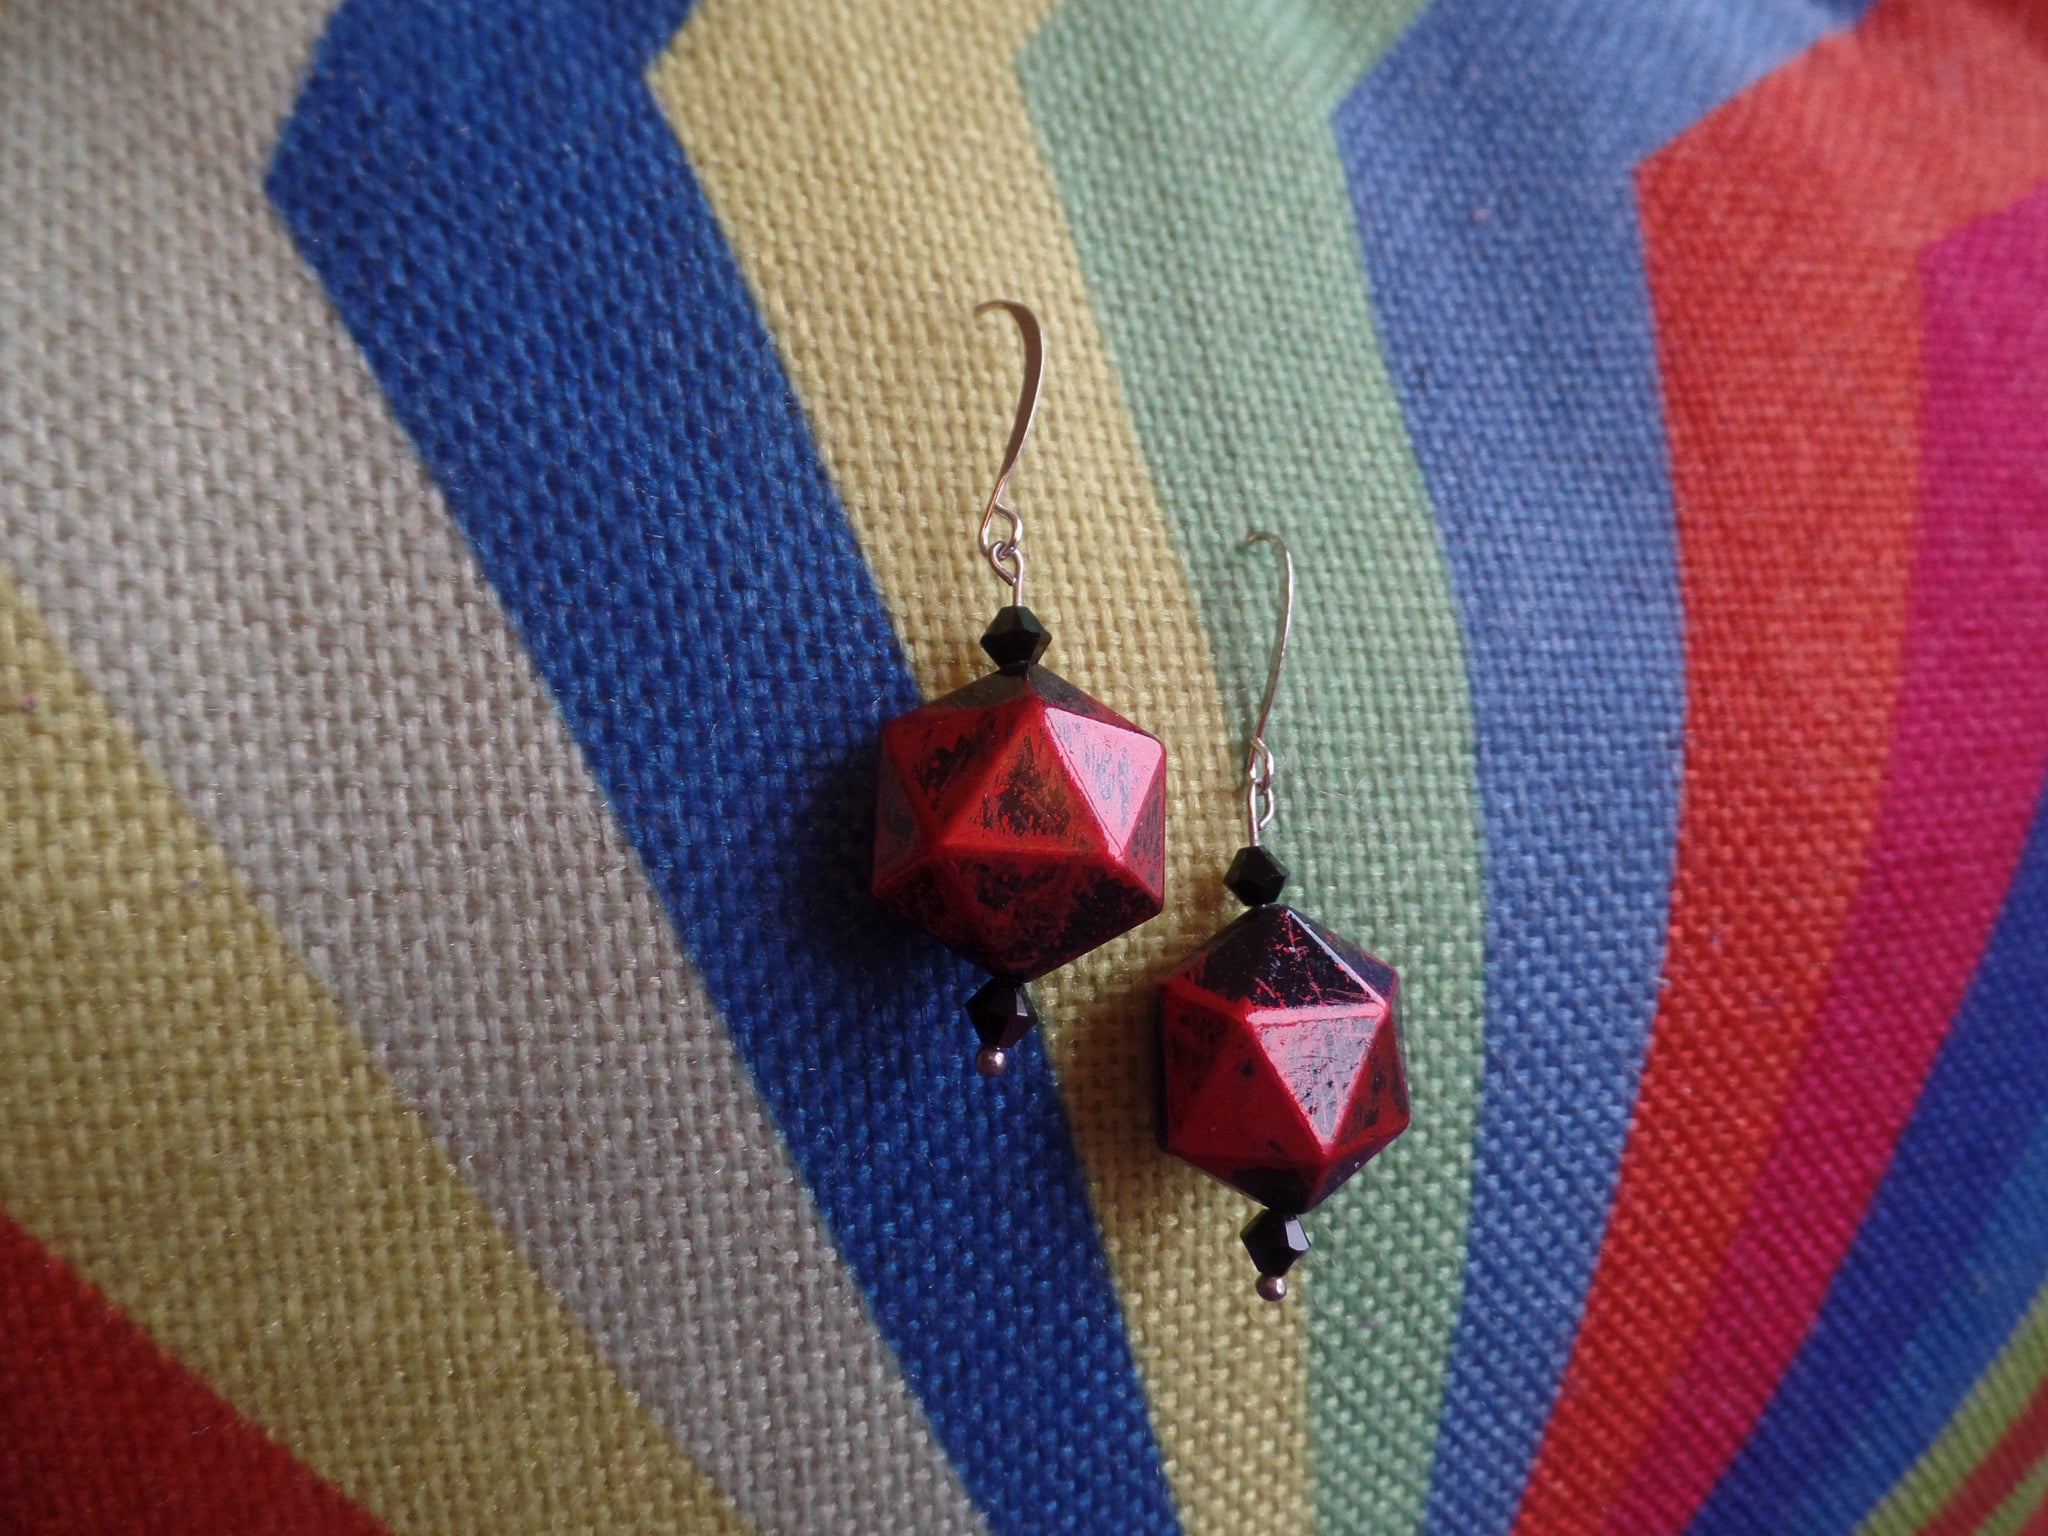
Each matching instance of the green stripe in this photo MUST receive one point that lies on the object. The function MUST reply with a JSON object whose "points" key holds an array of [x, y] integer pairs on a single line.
{"points": [[1193, 150], [1999, 1397]]}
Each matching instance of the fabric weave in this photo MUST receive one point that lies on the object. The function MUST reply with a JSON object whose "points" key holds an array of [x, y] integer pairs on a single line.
{"points": [[307, 649], [1195, 156], [198, 1132], [474, 476]]}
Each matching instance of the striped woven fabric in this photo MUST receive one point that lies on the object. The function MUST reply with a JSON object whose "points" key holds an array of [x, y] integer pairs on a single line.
{"points": [[475, 475]]}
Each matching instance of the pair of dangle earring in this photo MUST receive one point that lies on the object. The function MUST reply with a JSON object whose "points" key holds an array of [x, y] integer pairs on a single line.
{"points": [[1279, 1045], [1023, 824], [1017, 820]]}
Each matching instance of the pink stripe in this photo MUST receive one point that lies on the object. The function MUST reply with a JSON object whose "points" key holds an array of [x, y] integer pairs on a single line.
{"points": [[1970, 752]]}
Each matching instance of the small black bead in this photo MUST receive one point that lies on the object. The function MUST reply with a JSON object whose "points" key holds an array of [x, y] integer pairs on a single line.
{"points": [[1275, 1241], [1255, 877], [1015, 639], [1001, 1013]]}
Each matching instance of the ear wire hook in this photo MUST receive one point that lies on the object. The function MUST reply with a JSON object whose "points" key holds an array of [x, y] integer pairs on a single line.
{"points": [[1006, 555], [1260, 767]]}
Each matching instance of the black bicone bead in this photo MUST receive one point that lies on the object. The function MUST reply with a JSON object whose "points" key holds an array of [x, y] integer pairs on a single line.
{"points": [[1275, 1241], [1255, 877], [1015, 639], [1001, 1013]]}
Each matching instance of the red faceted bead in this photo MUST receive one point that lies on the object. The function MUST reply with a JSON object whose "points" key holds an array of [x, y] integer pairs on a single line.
{"points": [[1020, 822], [1281, 1059]]}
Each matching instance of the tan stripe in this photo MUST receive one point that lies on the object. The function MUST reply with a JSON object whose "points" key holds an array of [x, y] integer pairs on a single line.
{"points": [[191, 1123], [876, 172], [204, 488]]}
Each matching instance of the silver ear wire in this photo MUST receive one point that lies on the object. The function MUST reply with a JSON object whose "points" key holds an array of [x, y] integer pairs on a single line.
{"points": [[1006, 555], [1260, 767]]}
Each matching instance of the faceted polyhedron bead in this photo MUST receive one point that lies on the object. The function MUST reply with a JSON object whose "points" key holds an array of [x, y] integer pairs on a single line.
{"points": [[1020, 822], [1001, 1013], [1275, 1241], [1280, 1057], [1255, 877], [1015, 638]]}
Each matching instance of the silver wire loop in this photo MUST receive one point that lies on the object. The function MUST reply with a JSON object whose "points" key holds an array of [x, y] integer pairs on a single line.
{"points": [[1005, 555], [1260, 766]]}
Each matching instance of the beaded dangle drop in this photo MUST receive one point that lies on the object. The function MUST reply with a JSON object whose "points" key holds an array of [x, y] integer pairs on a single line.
{"points": [[1279, 1050], [1017, 820]]}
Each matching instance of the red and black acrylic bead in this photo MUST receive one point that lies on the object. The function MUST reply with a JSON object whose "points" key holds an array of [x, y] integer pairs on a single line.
{"points": [[1021, 823], [1281, 1070]]}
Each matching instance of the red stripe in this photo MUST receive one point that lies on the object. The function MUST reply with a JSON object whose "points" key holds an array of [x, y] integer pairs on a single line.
{"points": [[1939, 115], [1779, 236], [102, 1434], [2018, 1452]]}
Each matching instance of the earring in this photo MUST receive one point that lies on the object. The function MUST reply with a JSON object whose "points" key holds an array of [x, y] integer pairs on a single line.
{"points": [[1017, 820], [1279, 1049]]}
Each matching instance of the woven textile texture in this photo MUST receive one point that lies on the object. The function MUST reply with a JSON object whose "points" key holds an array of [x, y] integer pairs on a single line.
{"points": [[475, 476]]}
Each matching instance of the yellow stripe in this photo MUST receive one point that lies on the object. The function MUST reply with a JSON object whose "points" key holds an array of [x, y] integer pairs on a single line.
{"points": [[874, 166], [192, 1124]]}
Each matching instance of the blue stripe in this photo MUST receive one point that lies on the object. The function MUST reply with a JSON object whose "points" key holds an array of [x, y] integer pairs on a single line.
{"points": [[1491, 157], [514, 238], [1961, 1219]]}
